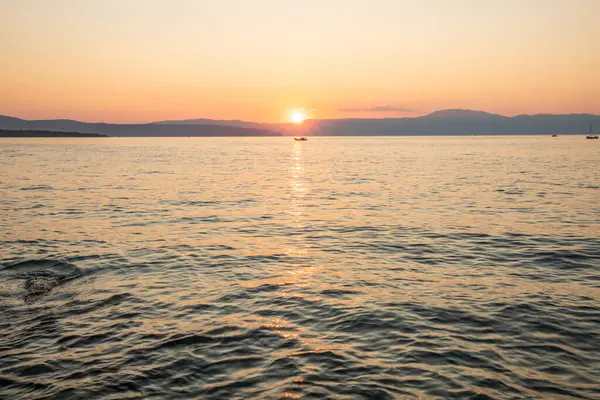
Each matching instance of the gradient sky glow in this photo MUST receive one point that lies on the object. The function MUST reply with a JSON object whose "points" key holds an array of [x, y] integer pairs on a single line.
{"points": [[145, 60]]}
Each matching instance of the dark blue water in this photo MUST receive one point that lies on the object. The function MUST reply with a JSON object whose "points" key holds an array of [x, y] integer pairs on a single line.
{"points": [[346, 268]]}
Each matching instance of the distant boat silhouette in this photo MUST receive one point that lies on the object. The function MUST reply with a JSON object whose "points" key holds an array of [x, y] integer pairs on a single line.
{"points": [[300, 139], [590, 136]]}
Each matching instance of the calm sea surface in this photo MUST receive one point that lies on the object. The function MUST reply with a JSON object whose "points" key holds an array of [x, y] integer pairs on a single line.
{"points": [[343, 268]]}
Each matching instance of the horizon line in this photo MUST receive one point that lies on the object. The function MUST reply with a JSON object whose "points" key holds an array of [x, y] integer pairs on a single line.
{"points": [[174, 121]]}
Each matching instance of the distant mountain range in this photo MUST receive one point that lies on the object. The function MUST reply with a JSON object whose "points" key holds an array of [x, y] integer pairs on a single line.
{"points": [[30, 133], [457, 122], [226, 122], [133, 130], [444, 122]]}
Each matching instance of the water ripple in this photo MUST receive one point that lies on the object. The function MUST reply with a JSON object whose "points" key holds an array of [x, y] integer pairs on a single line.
{"points": [[388, 268]]}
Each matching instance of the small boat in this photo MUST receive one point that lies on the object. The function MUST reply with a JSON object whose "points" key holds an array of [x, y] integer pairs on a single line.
{"points": [[300, 139], [590, 136], [554, 135]]}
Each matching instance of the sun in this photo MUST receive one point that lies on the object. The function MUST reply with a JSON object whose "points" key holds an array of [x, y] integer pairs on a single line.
{"points": [[297, 116]]}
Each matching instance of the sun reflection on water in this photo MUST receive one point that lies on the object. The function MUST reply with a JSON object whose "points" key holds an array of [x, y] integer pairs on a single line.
{"points": [[299, 189]]}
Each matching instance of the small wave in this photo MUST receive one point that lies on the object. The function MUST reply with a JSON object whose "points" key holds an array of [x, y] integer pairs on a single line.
{"points": [[41, 187]]}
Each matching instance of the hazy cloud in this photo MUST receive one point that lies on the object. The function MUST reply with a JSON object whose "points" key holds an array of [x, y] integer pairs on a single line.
{"points": [[378, 109]]}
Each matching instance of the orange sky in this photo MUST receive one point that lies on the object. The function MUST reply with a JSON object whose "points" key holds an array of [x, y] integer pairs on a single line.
{"points": [[145, 60]]}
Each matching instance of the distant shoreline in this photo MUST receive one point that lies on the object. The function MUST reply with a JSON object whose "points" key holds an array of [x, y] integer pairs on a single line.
{"points": [[47, 134], [443, 122], [57, 134]]}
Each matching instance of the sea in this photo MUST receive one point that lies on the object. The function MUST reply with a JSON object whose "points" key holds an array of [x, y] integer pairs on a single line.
{"points": [[265, 268]]}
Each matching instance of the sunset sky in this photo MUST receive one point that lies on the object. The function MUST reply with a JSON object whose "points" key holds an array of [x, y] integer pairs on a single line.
{"points": [[145, 60]]}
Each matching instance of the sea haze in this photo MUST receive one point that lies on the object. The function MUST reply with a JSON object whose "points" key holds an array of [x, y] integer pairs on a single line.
{"points": [[347, 268]]}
